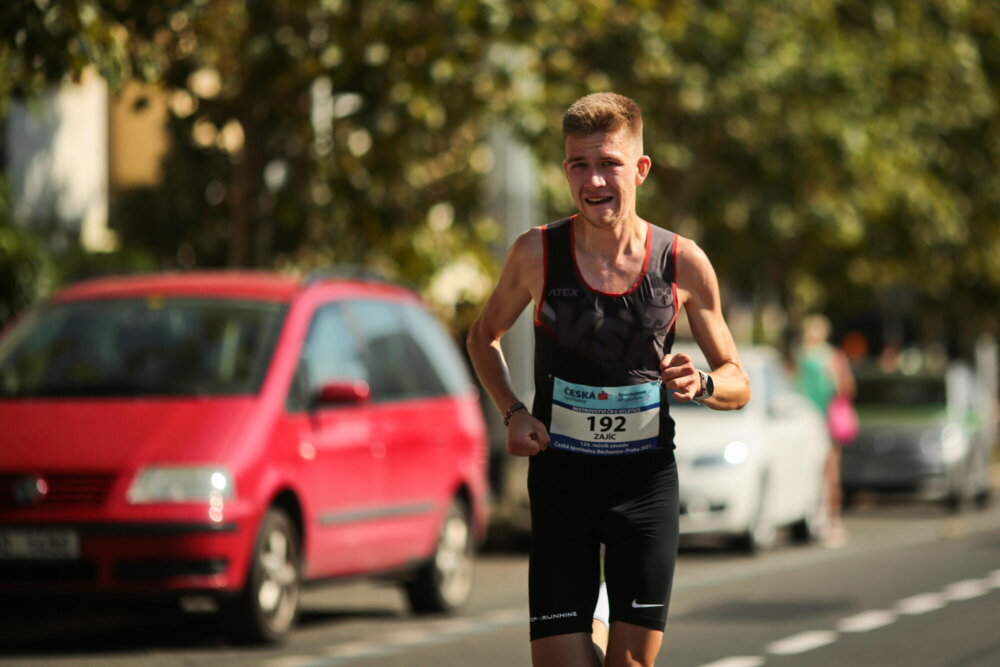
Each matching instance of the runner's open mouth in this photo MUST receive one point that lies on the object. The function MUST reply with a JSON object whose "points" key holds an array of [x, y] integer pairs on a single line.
{"points": [[597, 200]]}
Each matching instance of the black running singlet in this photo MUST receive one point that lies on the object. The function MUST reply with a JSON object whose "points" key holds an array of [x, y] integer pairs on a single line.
{"points": [[608, 475], [597, 354]]}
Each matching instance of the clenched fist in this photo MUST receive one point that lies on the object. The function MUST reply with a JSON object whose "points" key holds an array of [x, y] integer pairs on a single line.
{"points": [[678, 374], [526, 436]]}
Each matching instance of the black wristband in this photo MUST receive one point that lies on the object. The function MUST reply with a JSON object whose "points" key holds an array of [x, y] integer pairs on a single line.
{"points": [[511, 410]]}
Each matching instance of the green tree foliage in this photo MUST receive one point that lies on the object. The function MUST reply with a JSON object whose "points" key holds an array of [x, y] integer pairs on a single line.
{"points": [[821, 150], [25, 270]]}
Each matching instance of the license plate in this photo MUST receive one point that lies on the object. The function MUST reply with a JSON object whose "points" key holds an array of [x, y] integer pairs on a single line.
{"points": [[43, 544]]}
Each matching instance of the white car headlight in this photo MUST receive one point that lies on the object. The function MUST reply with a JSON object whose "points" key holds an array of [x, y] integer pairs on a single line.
{"points": [[181, 484], [953, 443], [734, 453]]}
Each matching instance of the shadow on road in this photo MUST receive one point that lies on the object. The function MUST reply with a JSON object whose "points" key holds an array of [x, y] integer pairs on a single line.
{"points": [[315, 617], [38, 629]]}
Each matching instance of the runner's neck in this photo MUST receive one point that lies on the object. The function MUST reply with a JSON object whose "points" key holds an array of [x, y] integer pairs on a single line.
{"points": [[612, 259]]}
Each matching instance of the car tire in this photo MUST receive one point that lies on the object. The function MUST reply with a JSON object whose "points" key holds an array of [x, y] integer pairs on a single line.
{"points": [[811, 526], [761, 534], [962, 494], [444, 582], [983, 497], [266, 609]]}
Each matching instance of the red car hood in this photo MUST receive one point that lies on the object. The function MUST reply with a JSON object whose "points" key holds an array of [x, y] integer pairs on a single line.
{"points": [[111, 434]]}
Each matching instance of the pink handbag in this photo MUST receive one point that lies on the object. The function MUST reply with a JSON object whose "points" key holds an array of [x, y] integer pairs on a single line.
{"points": [[842, 420]]}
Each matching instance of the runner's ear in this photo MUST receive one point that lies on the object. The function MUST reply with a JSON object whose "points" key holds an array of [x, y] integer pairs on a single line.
{"points": [[643, 166]]}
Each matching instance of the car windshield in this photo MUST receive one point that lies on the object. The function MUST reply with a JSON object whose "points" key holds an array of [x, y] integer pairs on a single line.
{"points": [[151, 346], [901, 391]]}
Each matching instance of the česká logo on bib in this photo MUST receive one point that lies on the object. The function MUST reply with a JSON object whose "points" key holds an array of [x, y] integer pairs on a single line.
{"points": [[605, 420]]}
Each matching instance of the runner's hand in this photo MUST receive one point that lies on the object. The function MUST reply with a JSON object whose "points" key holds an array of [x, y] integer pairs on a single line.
{"points": [[678, 374], [526, 436]]}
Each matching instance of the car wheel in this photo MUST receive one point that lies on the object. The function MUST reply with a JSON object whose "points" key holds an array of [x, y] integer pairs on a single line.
{"points": [[983, 497], [962, 493], [443, 583], [761, 534], [810, 527], [266, 609]]}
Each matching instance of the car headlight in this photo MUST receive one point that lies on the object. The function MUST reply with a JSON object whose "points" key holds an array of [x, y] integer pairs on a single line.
{"points": [[952, 443], [181, 484], [734, 453]]}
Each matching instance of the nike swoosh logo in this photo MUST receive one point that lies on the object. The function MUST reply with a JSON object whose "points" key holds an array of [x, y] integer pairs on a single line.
{"points": [[636, 605]]}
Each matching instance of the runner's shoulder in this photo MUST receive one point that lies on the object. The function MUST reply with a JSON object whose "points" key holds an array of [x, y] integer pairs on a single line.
{"points": [[690, 255], [528, 247]]}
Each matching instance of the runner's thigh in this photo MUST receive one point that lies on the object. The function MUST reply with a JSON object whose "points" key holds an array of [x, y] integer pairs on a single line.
{"points": [[640, 534], [564, 564]]}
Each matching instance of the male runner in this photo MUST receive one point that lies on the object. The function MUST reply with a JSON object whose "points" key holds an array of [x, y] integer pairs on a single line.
{"points": [[606, 287]]}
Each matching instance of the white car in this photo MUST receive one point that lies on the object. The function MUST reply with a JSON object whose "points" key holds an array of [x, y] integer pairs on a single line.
{"points": [[746, 473]]}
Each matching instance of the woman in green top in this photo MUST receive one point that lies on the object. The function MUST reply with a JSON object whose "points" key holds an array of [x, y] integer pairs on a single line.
{"points": [[822, 374]]}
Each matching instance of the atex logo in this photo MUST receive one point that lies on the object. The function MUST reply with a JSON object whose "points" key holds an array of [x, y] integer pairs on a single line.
{"points": [[564, 291], [29, 490]]}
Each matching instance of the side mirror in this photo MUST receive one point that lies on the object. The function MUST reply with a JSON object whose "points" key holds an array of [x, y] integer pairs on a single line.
{"points": [[343, 392]]}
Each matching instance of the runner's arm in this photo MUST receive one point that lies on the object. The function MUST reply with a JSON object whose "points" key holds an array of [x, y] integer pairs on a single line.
{"points": [[519, 283], [698, 291]]}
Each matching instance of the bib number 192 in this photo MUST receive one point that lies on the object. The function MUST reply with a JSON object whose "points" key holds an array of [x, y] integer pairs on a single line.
{"points": [[607, 424]]}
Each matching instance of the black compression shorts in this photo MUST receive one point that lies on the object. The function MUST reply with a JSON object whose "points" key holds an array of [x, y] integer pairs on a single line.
{"points": [[577, 502]]}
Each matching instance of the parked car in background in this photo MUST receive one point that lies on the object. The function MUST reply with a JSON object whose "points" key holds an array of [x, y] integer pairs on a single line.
{"points": [[920, 436], [233, 435], [746, 473]]}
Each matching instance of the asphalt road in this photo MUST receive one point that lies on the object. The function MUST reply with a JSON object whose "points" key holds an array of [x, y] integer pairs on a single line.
{"points": [[913, 587]]}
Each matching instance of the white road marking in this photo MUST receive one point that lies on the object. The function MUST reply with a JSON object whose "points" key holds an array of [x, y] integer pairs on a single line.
{"points": [[434, 632], [802, 642], [506, 616], [354, 650], [994, 579], [920, 604], [866, 621], [454, 626], [966, 589], [737, 661], [290, 661], [407, 637]]}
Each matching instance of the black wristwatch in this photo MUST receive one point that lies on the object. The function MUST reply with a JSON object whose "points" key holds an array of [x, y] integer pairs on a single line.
{"points": [[707, 387]]}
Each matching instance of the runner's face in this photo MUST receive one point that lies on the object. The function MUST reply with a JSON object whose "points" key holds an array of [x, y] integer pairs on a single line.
{"points": [[603, 171]]}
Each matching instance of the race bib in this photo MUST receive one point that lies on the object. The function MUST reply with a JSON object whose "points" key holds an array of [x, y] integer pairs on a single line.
{"points": [[605, 420]]}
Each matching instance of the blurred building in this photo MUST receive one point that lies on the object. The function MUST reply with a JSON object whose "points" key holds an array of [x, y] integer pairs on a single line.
{"points": [[71, 149]]}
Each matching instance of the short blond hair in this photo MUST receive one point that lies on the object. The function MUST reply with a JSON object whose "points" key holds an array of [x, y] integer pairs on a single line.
{"points": [[603, 112]]}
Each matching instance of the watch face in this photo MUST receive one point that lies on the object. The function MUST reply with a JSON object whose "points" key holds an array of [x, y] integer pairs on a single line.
{"points": [[706, 386]]}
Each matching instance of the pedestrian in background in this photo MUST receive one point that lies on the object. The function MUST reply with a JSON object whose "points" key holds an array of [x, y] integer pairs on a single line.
{"points": [[823, 375]]}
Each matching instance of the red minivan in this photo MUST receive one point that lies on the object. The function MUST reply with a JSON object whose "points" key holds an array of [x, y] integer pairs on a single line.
{"points": [[235, 435]]}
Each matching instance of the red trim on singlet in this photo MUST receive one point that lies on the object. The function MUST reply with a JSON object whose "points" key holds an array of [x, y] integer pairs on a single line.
{"points": [[545, 275], [638, 281], [673, 283]]}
